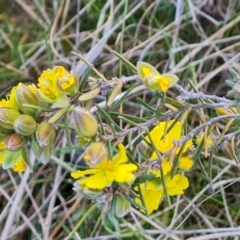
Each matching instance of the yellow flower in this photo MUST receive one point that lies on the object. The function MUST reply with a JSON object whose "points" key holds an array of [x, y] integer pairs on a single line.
{"points": [[19, 166], [164, 143], [163, 138], [104, 174], [153, 80], [54, 84], [153, 192]]}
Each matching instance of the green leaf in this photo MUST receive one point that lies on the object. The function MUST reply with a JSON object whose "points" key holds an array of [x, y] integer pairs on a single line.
{"points": [[130, 88], [144, 178], [128, 116], [89, 95], [61, 101], [146, 105], [106, 117], [10, 159], [125, 61]]}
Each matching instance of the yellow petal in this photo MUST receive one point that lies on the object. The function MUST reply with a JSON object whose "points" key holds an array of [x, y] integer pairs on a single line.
{"points": [[183, 181], [98, 181], [171, 78], [145, 70], [166, 167], [165, 143], [80, 173], [151, 198], [185, 163], [123, 173], [121, 157], [125, 178], [110, 175], [177, 185]]}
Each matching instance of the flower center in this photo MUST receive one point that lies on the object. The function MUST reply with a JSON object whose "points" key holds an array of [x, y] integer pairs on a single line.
{"points": [[163, 83], [66, 82]]}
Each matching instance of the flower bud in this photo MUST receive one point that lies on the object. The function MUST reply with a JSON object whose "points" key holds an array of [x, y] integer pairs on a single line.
{"points": [[7, 117], [122, 206], [45, 134], [46, 154], [153, 80], [25, 96], [15, 142], [85, 123], [25, 125], [95, 153]]}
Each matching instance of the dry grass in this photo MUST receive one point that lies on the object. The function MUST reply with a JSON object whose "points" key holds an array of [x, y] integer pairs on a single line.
{"points": [[197, 40]]}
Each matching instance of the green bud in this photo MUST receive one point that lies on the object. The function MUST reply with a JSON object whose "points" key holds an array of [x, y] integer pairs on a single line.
{"points": [[25, 96], [25, 125], [85, 123], [15, 142], [43, 155], [46, 154], [122, 206], [95, 153], [45, 134], [7, 117]]}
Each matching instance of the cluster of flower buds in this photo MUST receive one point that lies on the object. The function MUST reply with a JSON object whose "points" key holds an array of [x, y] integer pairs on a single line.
{"points": [[25, 125]]}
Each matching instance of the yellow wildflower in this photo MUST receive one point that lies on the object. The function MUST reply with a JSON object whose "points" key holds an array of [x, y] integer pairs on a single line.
{"points": [[104, 174], [163, 138], [54, 84], [153, 80]]}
